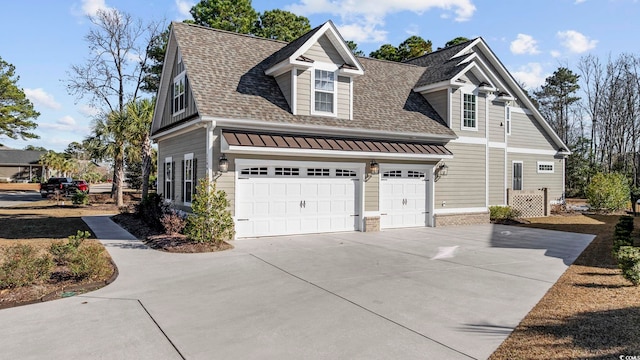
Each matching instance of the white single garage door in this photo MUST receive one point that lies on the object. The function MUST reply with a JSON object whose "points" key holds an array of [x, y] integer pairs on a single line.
{"points": [[403, 197], [285, 200]]}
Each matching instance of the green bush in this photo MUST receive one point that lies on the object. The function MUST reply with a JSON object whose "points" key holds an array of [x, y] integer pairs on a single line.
{"points": [[63, 251], [629, 262], [608, 192], [502, 213], [151, 209], [89, 262], [211, 220], [173, 222], [23, 266], [80, 198]]}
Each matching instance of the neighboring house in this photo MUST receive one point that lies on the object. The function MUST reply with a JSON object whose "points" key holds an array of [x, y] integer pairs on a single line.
{"points": [[318, 140], [19, 165]]}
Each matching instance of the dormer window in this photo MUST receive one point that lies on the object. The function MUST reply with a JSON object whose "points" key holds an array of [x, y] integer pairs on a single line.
{"points": [[324, 92], [179, 103], [469, 113]]}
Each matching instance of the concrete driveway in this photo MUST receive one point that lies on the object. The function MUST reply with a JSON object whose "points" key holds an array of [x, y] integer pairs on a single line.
{"points": [[445, 293], [12, 198]]}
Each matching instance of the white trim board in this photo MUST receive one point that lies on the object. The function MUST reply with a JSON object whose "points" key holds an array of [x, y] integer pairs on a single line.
{"points": [[460, 210]]}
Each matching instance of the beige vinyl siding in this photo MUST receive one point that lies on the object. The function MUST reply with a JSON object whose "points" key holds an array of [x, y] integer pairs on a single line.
{"points": [[495, 72], [531, 179], [303, 89], [440, 102], [372, 194], [176, 147], [284, 82], [465, 185], [496, 117], [343, 98], [526, 132], [496, 177], [190, 106], [324, 51]]}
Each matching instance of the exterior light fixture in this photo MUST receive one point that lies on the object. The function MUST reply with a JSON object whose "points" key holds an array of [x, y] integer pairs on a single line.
{"points": [[223, 166], [441, 170], [374, 169]]}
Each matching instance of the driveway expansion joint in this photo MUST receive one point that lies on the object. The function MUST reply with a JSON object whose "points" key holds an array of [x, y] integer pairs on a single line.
{"points": [[362, 307]]}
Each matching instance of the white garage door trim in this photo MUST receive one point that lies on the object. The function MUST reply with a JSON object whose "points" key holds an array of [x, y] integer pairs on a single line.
{"points": [[429, 190], [358, 168]]}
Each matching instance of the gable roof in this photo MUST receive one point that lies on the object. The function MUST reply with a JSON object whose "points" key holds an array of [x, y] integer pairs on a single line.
{"points": [[226, 73], [20, 157]]}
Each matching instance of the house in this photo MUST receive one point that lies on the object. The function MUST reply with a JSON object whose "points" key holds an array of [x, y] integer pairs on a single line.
{"points": [[304, 137], [19, 165]]}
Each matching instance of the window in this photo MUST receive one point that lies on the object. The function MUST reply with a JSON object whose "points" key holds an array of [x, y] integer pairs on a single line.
{"points": [[324, 91], [179, 94], [254, 171], [345, 173], [392, 173], [415, 174], [188, 177], [469, 112], [286, 171], [317, 172], [517, 175], [545, 167], [507, 120], [168, 178]]}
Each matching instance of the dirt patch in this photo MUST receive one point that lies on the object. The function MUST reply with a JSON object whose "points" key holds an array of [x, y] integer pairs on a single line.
{"points": [[156, 239], [590, 312]]}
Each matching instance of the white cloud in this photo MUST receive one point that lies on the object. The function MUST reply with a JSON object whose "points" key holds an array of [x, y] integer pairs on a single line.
{"points": [[184, 6], [531, 75], [40, 97], [579, 1], [365, 20], [555, 53], [362, 33], [524, 44], [412, 29], [88, 110], [65, 123], [66, 120], [576, 42], [91, 7]]}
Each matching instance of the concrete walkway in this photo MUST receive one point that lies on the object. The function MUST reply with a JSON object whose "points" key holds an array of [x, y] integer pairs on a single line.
{"points": [[446, 293]]}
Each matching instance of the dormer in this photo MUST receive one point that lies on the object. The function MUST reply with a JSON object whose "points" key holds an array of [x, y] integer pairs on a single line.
{"points": [[315, 73]]}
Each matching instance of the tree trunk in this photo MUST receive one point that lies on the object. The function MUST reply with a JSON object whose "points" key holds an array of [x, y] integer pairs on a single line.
{"points": [[118, 175], [146, 166]]}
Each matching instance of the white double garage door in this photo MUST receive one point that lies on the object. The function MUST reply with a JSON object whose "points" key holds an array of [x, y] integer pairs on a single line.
{"points": [[284, 198]]}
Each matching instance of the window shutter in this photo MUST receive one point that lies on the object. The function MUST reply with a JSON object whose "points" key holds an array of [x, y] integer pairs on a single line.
{"points": [[186, 92], [173, 180], [164, 180], [182, 180], [194, 176]]}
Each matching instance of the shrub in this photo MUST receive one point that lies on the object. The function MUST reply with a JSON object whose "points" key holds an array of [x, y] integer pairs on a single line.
{"points": [[151, 209], [503, 213], [173, 222], [629, 262], [608, 192], [211, 220], [63, 252], [622, 233], [89, 261], [80, 198], [24, 267]]}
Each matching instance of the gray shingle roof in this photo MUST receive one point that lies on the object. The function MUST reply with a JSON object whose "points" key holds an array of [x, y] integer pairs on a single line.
{"points": [[226, 72], [20, 157], [440, 65]]}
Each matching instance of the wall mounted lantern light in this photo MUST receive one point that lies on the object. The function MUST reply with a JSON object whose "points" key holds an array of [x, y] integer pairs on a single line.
{"points": [[374, 169], [441, 170], [223, 166]]}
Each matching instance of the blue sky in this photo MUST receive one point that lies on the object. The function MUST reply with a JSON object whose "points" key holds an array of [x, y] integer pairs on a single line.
{"points": [[43, 38]]}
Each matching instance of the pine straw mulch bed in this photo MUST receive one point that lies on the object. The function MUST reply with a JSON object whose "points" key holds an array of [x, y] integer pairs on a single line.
{"points": [[591, 312], [158, 240]]}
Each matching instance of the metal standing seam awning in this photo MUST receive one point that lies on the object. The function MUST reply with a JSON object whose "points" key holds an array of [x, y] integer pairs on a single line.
{"points": [[313, 143]]}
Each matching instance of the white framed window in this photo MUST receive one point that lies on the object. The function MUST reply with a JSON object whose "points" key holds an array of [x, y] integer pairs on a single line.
{"points": [[188, 178], [168, 178], [516, 183], [507, 119], [469, 111], [545, 167], [179, 97], [324, 92]]}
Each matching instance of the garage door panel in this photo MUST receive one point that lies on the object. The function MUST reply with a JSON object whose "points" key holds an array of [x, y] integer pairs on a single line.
{"points": [[403, 198], [282, 205]]}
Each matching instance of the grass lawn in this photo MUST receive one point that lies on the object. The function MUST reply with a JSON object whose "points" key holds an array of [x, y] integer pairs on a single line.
{"points": [[591, 312], [39, 224]]}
